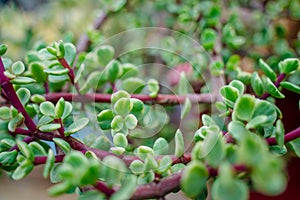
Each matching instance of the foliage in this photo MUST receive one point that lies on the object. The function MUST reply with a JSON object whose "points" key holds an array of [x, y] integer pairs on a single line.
{"points": [[124, 130]]}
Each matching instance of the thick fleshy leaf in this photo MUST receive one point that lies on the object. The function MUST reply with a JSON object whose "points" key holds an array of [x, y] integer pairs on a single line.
{"points": [[102, 142], [3, 49], [18, 68], [36, 98], [104, 119], [288, 65], [70, 53], [67, 110], [229, 94], [129, 184], [179, 143], [153, 87], [37, 70], [92, 194], [161, 146], [137, 167], [65, 146], [22, 80], [186, 108], [4, 113], [47, 108], [208, 38], [49, 127], [25, 150], [57, 71], [238, 85], [15, 122], [123, 106], [237, 129], [131, 121], [273, 90], [113, 70], [256, 84], [76, 126], [49, 163], [117, 123], [8, 157], [267, 70], [257, 121], [37, 149], [279, 133], [105, 54], [24, 95], [120, 140], [265, 108], [243, 108], [22, 170], [290, 86], [133, 85], [164, 164], [45, 120], [118, 95], [59, 108], [193, 180], [143, 151]]}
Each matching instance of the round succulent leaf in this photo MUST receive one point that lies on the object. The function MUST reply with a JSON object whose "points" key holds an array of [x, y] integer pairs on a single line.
{"points": [[137, 167], [113, 169], [113, 70], [129, 70], [102, 142], [128, 187], [118, 95], [37, 98], [25, 150], [120, 140], [142, 151], [161, 146], [208, 38], [279, 133], [70, 53], [15, 122], [164, 164], [24, 95], [133, 85], [47, 108], [60, 188], [257, 121], [117, 150], [150, 163], [8, 157], [76, 126], [137, 106], [105, 54], [273, 90], [22, 170], [263, 107], [193, 180], [153, 87], [290, 86], [243, 108], [92, 194], [105, 118], [238, 85], [229, 92], [3, 49], [37, 70], [18, 68], [4, 113], [49, 163], [44, 120], [237, 129], [65, 146], [117, 123], [67, 110], [257, 84], [123, 106], [230, 189], [131, 121], [37, 149], [288, 65], [59, 108]]}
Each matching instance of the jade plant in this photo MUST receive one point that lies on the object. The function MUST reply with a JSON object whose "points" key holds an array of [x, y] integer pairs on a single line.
{"points": [[106, 127]]}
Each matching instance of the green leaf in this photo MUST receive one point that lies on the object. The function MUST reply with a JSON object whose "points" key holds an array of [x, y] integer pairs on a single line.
{"points": [[273, 90], [105, 54], [8, 157], [229, 189], [25, 150], [59, 108], [233, 62], [24, 95], [137, 107], [67, 110], [193, 180], [179, 143], [117, 150], [102, 142], [22, 80], [131, 121], [47, 108], [279, 133], [49, 127], [237, 129], [60, 189], [57, 71], [3, 49], [161, 146], [257, 121], [208, 38], [105, 118], [18, 68], [186, 108], [128, 187], [117, 123], [113, 169], [238, 85], [44, 120], [153, 87], [133, 85], [116, 5], [76, 126], [37, 98], [164, 164], [65, 146], [257, 84], [183, 85], [49, 163], [129, 70], [150, 163], [37, 149], [70, 53], [137, 167], [288, 65], [143, 151], [263, 107], [213, 149], [120, 140], [123, 106], [4, 113], [92, 194], [37, 70], [290, 86], [229, 94], [113, 70], [118, 95], [243, 108], [15, 122], [23, 170], [267, 70]]}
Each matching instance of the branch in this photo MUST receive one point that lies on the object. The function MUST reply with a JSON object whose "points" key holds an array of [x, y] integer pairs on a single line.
{"points": [[164, 99], [42, 159], [287, 137]]}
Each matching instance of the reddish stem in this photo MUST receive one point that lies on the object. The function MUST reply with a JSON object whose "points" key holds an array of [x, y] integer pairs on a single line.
{"points": [[164, 99], [42, 159], [71, 74], [102, 187], [287, 138], [28, 139]]}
